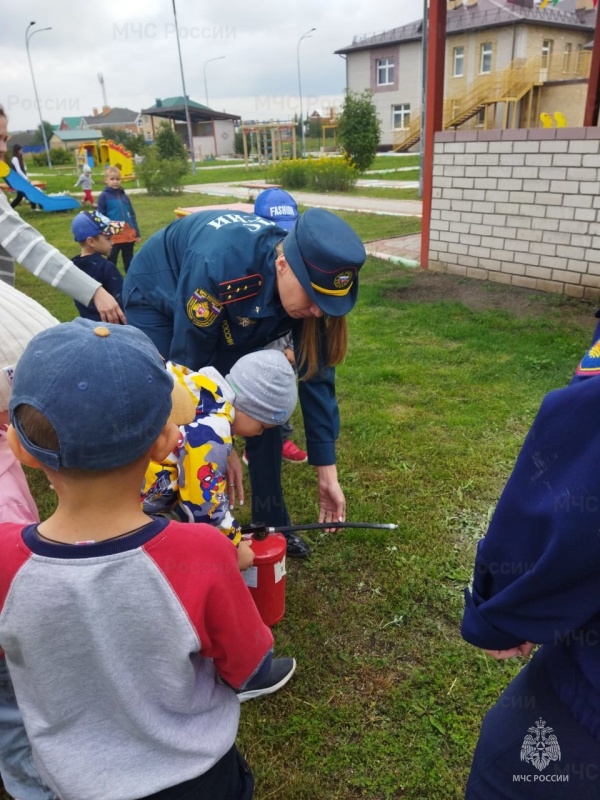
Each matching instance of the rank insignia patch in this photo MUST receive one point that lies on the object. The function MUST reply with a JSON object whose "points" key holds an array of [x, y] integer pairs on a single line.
{"points": [[202, 309]]}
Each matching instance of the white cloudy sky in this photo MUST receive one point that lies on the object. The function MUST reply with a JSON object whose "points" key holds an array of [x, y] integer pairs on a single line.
{"points": [[133, 45]]}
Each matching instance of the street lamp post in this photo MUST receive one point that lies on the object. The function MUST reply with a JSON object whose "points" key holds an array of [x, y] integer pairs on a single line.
{"points": [[28, 34], [185, 98], [302, 131], [218, 58]]}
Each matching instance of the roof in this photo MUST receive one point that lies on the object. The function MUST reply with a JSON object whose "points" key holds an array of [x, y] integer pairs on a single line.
{"points": [[115, 116], [174, 108], [77, 136], [484, 14], [71, 122]]}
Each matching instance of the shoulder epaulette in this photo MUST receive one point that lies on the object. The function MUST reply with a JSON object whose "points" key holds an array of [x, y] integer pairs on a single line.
{"points": [[240, 288]]}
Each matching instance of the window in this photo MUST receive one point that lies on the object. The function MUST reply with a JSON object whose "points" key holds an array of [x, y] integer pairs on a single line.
{"points": [[485, 66], [385, 71], [579, 58], [459, 62], [401, 116], [480, 118], [546, 53], [567, 57]]}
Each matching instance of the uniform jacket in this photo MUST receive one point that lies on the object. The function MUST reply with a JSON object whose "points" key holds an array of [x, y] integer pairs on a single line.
{"points": [[211, 278], [116, 650], [115, 204], [537, 571], [105, 272], [193, 478], [18, 240]]}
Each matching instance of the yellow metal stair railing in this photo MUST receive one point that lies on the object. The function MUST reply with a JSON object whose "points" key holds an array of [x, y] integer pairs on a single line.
{"points": [[508, 86]]}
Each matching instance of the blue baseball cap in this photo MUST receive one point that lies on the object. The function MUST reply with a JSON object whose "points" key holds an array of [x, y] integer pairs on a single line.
{"points": [[93, 223], [278, 206], [103, 388], [325, 255]]}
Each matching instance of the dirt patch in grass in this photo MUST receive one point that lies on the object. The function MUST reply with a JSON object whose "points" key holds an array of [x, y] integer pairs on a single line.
{"points": [[433, 287]]}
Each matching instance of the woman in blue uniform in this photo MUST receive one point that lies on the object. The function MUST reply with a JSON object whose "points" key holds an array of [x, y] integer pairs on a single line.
{"points": [[216, 285]]}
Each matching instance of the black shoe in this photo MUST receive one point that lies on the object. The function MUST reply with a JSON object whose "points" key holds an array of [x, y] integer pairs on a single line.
{"points": [[296, 546], [281, 671]]}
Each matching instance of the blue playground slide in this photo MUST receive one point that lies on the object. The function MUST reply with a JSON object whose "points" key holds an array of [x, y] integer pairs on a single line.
{"points": [[35, 195]]}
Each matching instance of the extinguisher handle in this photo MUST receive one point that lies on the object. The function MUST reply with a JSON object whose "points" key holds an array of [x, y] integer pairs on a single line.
{"points": [[255, 530]]}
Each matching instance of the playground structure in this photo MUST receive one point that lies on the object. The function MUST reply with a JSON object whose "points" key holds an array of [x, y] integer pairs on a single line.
{"points": [[269, 142], [109, 154], [329, 125], [34, 193]]}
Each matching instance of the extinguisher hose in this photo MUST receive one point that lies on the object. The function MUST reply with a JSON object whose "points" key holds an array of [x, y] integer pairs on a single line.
{"points": [[260, 530], [315, 526]]}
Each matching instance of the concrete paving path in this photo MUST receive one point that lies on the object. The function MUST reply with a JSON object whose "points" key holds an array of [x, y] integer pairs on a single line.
{"points": [[335, 202]]}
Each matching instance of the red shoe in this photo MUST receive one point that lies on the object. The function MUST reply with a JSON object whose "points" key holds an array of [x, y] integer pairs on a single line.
{"points": [[291, 452]]}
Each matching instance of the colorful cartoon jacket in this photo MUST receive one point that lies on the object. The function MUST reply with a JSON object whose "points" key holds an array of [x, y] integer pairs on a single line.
{"points": [[192, 480], [210, 279], [536, 570], [115, 204]]}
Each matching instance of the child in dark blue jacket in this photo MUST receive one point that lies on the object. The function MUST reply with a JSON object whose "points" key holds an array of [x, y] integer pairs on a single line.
{"points": [[114, 204], [93, 232], [537, 580]]}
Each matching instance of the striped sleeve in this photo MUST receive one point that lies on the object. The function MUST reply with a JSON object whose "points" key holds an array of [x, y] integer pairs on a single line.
{"points": [[20, 242]]}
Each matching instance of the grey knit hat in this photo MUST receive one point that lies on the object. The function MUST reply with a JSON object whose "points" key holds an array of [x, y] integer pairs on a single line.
{"points": [[265, 386]]}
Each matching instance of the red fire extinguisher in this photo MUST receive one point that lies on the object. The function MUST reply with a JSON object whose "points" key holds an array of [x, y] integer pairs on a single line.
{"points": [[266, 577]]}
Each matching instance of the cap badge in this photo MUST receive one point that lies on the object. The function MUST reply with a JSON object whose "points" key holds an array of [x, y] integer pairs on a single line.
{"points": [[343, 280]]}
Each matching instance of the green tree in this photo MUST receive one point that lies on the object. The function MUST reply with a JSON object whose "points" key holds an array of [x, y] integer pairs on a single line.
{"points": [[135, 142], [37, 136], [160, 176], [359, 129], [169, 144], [117, 136]]}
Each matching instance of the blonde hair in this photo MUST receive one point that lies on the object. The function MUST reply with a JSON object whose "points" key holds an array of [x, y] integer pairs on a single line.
{"points": [[112, 171]]}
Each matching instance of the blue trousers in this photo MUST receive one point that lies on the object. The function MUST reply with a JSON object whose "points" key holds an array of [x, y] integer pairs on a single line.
{"points": [[264, 452], [504, 763], [19, 774]]}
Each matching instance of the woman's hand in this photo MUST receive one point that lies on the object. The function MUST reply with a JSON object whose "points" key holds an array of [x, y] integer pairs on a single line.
{"points": [[235, 485], [107, 307], [332, 503], [523, 650]]}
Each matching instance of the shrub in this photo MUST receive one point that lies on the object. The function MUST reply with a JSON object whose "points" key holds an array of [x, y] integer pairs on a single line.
{"points": [[58, 157], [359, 129], [160, 176], [169, 144], [318, 174], [291, 174]]}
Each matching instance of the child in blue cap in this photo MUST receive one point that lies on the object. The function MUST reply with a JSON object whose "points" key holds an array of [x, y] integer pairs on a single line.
{"points": [[93, 232], [122, 633]]}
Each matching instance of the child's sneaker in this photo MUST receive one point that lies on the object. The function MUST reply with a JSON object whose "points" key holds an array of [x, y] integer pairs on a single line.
{"points": [[245, 458], [281, 671], [291, 452]]}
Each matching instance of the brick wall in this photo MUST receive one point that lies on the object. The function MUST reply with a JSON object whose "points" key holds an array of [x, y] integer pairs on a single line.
{"points": [[519, 207]]}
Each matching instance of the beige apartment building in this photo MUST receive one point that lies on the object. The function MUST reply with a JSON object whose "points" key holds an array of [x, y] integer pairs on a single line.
{"points": [[509, 64]]}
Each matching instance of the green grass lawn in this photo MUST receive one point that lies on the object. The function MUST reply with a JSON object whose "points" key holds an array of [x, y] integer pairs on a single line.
{"points": [[435, 401]]}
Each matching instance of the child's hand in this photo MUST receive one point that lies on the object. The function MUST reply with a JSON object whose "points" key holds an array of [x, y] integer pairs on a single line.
{"points": [[289, 354], [245, 555]]}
